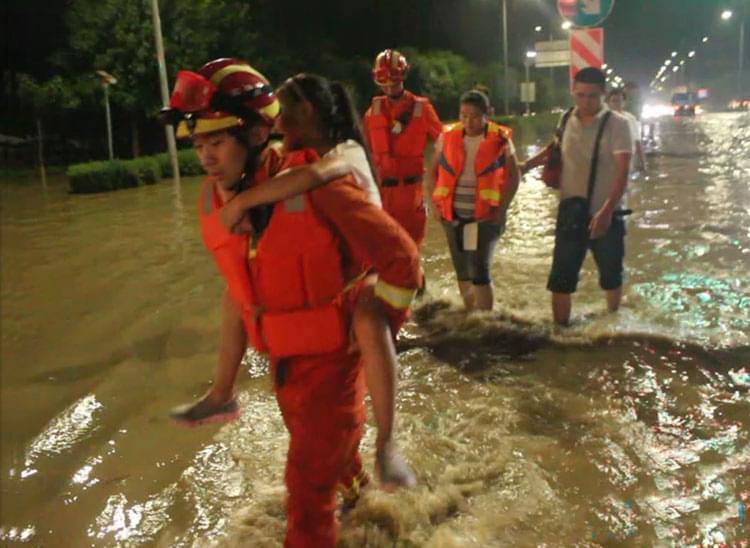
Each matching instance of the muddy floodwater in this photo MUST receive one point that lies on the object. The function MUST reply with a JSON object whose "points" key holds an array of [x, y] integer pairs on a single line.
{"points": [[628, 429]]}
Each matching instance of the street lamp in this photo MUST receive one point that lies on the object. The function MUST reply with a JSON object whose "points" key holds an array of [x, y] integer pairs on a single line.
{"points": [[726, 15], [705, 39], [505, 55], [530, 56], [566, 25], [674, 54], [691, 53], [107, 80], [538, 28]]}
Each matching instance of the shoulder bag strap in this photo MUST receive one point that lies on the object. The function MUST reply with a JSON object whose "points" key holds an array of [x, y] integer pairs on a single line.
{"points": [[595, 157]]}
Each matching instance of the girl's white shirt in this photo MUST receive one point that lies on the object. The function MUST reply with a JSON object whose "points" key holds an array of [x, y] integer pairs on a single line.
{"points": [[355, 155]]}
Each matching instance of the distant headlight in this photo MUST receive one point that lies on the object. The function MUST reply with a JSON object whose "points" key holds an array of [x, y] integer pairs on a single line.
{"points": [[655, 110]]}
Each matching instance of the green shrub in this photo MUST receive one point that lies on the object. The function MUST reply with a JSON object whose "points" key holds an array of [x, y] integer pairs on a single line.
{"points": [[96, 177], [146, 170], [189, 163]]}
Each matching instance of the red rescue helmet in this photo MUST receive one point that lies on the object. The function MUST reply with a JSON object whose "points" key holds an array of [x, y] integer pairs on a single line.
{"points": [[390, 66], [223, 93]]}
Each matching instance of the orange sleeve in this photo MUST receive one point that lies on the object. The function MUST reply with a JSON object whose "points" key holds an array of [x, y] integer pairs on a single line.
{"points": [[434, 125], [376, 238]]}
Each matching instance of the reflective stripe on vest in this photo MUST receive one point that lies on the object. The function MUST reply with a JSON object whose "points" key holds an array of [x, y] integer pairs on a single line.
{"points": [[398, 297]]}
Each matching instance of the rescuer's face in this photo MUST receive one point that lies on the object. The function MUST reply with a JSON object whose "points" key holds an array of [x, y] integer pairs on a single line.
{"points": [[587, 97], [472, 118], [221, 155], [393, 89]]}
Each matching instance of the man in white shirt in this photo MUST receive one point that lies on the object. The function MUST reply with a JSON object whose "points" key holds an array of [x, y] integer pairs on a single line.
{"points": [[606, 229]]}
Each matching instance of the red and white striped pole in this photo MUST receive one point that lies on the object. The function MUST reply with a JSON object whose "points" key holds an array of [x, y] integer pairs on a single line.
{"points": [[586, 49]]}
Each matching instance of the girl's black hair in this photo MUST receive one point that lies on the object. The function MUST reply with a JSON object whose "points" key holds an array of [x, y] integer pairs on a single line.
{"points": [[477, 98], [253, 152], [339, 120]]}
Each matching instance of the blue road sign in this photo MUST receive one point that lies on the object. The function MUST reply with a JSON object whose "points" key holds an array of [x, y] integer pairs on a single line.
{"points": [[585, 13]]}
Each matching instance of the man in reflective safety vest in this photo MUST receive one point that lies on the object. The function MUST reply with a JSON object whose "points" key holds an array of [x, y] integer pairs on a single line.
{"points": [[397, 125]]}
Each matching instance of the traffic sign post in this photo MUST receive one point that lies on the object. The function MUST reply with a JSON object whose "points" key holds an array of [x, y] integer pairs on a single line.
{"points": [[585, 13], [586, 50]]}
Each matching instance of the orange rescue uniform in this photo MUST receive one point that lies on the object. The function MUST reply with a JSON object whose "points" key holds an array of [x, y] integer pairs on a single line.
{"points": [[397, 132], [296, 285]]}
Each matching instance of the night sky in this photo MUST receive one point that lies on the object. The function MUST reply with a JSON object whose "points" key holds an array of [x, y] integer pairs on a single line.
{"points": [[639, 34]]}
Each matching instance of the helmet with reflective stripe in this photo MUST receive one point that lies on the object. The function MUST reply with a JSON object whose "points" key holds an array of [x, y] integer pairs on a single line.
{"points": [[390, 66], [223, 93]]}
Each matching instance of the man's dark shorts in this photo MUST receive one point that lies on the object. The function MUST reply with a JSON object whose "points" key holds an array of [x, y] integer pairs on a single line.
{"points": [[567, 260]]}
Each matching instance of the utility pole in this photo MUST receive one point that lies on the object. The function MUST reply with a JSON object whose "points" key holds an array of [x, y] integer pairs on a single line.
{"points": [[742, 55], [169, 130], [107, 79], [506, 87]]}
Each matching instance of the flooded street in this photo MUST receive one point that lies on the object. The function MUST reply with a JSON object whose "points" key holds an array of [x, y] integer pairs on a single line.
{"points": [[630, 429]]}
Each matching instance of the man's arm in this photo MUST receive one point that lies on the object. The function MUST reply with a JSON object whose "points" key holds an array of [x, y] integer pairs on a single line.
{"points": [[509, 192], [434, 125], [430, 176], [603, 218], [622, 150], [537, 160]]}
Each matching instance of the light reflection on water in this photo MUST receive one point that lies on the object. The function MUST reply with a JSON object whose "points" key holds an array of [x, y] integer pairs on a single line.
{"points": [[628, 429]]}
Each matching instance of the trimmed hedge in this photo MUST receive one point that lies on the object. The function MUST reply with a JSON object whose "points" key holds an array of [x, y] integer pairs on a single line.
{"points": [[112, 175], [189, 163]]}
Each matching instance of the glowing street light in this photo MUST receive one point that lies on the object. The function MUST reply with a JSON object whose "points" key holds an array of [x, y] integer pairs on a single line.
{"points": [[726, 14], [705, 39], [674, 54], [691, 54], [566, 25], [604, 65], [538, 28], [675, 68], [667, 62]]}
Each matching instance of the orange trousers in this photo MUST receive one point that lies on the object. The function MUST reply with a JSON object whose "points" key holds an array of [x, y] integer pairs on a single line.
{"points": [[405, 203], [322, 402]]}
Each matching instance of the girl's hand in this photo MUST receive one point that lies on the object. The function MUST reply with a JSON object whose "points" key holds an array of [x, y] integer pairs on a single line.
{"points": [[233, 216]]}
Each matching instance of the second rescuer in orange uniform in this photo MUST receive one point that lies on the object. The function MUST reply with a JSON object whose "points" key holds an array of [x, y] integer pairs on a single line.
{"points": [[397, 125]]}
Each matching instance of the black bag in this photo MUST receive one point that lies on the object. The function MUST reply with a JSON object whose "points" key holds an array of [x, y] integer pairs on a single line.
{"points": [[573, 213], [573, 218]]}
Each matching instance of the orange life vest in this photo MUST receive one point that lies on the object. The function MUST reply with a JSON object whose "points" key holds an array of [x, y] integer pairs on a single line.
{"points": [[398, 150], [291, 287], [489, 167]]}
